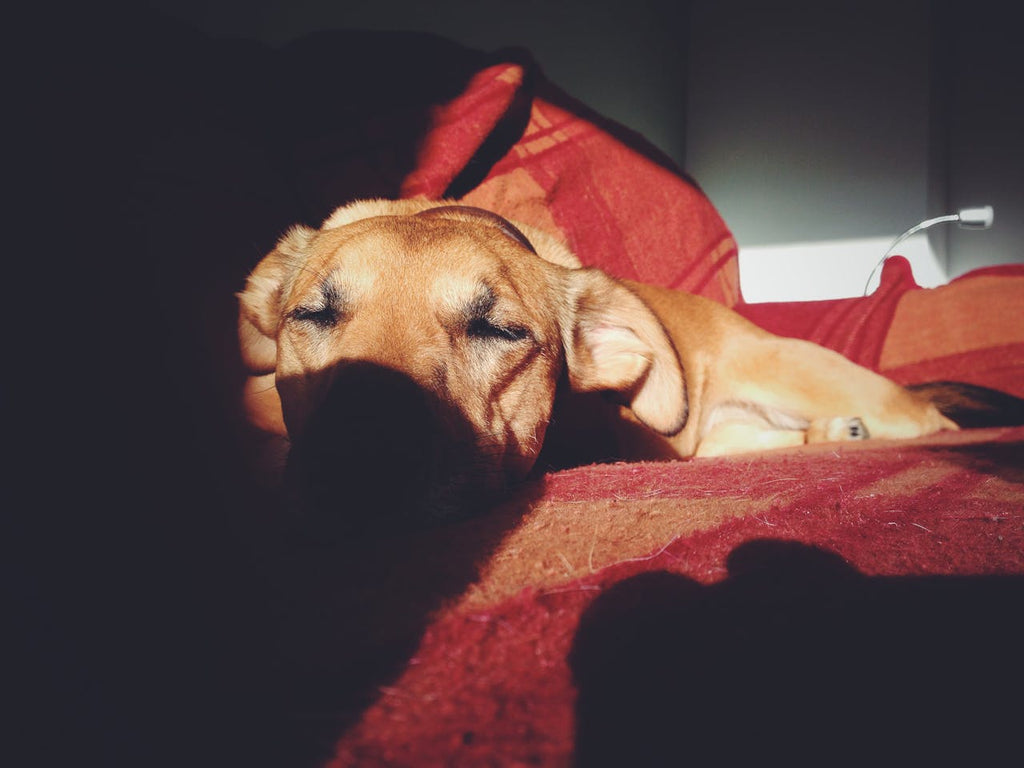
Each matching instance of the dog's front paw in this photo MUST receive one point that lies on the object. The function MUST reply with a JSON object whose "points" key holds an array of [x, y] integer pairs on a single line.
{"points": [[836, 429]]}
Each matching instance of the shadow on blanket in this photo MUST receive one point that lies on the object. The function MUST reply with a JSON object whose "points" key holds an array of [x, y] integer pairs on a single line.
{"points": [[348, 614], [799, 657]]}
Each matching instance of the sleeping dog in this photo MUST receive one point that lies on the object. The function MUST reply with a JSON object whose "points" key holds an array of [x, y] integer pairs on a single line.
{"points": [[422, 355]]}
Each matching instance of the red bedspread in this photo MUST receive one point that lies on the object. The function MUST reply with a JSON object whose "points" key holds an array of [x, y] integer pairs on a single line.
{"points": [[641, 613], [826, 604]]}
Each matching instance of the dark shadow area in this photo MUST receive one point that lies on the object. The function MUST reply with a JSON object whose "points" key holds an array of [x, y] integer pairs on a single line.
{"points": [[384, 515], [578, 433], [166, 614], [380, 454], [345, 611], [998, 459], [797, 659], [972, 406]]}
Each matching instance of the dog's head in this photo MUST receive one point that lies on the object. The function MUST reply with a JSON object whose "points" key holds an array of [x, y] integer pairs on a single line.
{"points": [[416, 349]]}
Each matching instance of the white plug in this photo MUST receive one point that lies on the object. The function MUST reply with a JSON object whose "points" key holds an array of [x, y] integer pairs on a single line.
{"points": [[968, 218], [976, 218]]}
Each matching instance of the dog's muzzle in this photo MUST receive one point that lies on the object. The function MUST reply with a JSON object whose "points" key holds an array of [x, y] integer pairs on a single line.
{"points": [[380, 451]]}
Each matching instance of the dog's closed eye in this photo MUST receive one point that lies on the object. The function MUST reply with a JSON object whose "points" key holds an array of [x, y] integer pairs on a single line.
{"points": [[481, 322], [322, 317], [485, 328], [324, 311]]}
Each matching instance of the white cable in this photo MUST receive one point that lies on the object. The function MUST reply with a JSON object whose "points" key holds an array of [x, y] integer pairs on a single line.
{"points": [[969, 218]]}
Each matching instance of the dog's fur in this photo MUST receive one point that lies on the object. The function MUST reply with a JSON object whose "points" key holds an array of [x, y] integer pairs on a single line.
{"points": [[489, 333]]}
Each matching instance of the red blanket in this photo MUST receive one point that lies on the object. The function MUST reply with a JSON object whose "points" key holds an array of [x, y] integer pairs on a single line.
{"points": [[827, 604]]}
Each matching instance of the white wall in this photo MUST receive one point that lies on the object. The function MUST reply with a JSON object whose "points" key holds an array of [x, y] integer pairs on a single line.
{"points": [[983, 77], [809, 129], [824, 130]]}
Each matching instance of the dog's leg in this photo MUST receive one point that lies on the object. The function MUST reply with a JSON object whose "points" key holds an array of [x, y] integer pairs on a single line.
{"points": [[728, 439], [835, 398]]}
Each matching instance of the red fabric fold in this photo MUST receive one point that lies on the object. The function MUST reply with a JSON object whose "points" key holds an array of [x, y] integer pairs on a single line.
{"points": [[616, 202], [854, 327], [460, 128]]}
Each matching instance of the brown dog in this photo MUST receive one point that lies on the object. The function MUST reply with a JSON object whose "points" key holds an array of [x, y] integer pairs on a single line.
{"points": [[438, 343]]}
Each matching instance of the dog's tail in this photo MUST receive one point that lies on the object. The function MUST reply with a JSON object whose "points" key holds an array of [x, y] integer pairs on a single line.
{"points": [[971, 406]]}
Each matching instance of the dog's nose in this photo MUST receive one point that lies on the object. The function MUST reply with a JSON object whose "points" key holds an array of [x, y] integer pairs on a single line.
{"points": [[370, 410], [370, 454]]}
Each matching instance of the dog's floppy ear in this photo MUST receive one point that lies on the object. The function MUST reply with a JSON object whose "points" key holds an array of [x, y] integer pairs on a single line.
{"points": [[260, 302], [614, 342]]}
